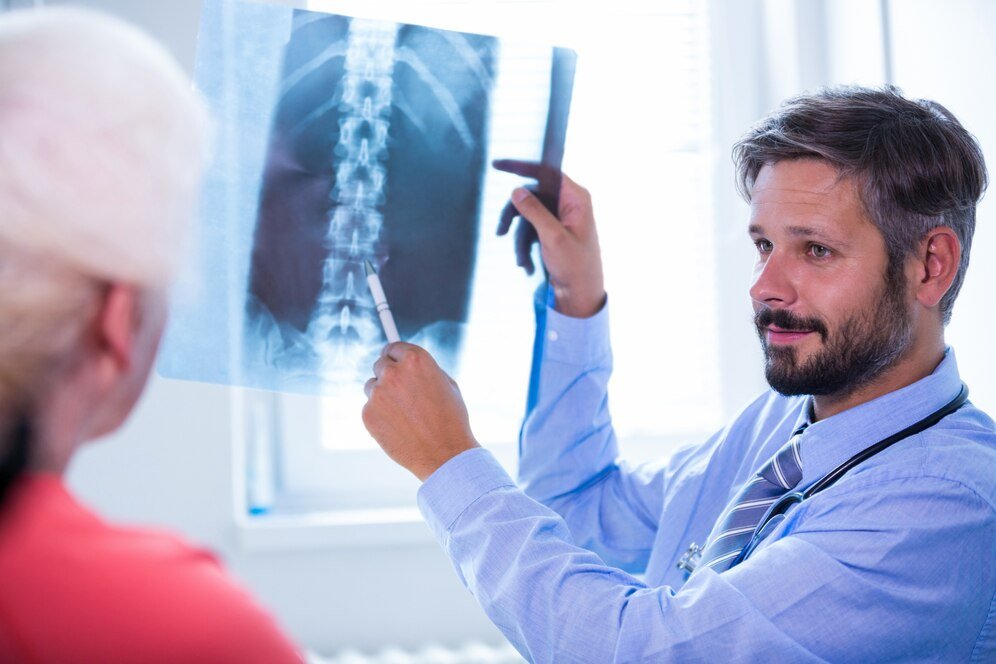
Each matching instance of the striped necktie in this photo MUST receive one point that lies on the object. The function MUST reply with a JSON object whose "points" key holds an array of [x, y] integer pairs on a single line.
{"points": [[738, 522]]}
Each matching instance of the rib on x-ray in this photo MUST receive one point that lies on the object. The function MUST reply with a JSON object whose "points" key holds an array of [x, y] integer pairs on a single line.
{"points": [[377, 153], [344, 140]]}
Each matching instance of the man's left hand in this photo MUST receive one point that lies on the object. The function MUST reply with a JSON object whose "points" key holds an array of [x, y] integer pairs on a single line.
{"points": [[414, 410]]}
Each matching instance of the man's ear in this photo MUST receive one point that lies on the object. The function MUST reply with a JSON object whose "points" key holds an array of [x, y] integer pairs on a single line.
{"points": [[116, 324], [938, 259]]}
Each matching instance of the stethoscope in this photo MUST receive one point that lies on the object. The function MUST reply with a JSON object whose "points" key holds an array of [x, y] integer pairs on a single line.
{"points": [[777, 511]]}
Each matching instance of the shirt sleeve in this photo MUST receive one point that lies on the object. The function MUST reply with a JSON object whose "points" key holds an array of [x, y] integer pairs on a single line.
{"points": [[568, 453], [841, 587]]}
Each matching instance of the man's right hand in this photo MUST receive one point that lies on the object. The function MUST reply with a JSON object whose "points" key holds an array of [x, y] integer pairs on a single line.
{"points": [[568, 241]]}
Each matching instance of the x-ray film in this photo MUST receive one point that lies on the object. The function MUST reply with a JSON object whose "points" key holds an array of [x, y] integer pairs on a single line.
{"points": [[342, 140]]}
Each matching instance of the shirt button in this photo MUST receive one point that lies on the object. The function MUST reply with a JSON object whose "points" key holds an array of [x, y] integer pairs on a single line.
{"points": [[552, 335]]}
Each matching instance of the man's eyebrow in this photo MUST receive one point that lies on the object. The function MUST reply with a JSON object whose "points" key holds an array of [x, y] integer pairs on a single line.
{"points": [[804, 231]]}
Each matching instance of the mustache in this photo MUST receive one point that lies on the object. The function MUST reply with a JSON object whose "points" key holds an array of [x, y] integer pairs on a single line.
{"points": [[788, 321]]}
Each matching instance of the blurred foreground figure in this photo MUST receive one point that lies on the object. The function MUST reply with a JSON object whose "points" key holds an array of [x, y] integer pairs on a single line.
{"points": [[101, 151]]}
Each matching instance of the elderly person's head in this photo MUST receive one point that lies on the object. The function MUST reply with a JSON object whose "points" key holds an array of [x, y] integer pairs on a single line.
{"points": [[101, 144]]}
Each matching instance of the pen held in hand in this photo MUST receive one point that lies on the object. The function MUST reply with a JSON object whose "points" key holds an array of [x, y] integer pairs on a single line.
{"points": [[380, 301]]}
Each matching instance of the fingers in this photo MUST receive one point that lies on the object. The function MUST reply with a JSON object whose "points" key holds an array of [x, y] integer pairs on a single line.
{"points": [[398, 350], [574, 195], [390, 355], [568, 185], [527, 169], [547, 192], [533, 211], [571, 193], [388, 370], [380, 365], [525, 237], [508, 214], [548, 177]]}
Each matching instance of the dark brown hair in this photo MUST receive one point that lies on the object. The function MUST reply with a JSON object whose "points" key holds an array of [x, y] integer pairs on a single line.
{"points": [[916, 166], [14, 453]]}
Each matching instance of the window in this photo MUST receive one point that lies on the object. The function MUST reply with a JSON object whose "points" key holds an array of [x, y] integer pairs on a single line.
{"points": [[639, 140]]}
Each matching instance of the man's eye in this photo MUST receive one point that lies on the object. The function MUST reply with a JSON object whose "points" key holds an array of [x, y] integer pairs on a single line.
{"points": [[764, 246], [819, 251]]}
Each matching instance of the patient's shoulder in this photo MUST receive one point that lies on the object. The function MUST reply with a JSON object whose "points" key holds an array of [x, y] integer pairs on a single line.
{"points": [[75, 584]]}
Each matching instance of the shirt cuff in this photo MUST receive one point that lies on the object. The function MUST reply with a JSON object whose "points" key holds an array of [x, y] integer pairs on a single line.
{"points": [[577, 341], [456, 485]]}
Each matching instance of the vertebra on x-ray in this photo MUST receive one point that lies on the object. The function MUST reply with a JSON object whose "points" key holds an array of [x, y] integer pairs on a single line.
{"points": [[377, 152], [342, 140]]}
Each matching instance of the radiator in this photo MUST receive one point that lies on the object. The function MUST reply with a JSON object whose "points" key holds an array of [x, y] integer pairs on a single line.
{"points": [[473, 652]]}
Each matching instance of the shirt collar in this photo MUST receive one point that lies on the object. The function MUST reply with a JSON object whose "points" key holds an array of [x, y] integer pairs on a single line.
{"points": [[828, 443]]}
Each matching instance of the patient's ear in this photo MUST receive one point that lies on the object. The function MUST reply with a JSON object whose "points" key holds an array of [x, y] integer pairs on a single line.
{"points": [[938, 259], [116, 325]]}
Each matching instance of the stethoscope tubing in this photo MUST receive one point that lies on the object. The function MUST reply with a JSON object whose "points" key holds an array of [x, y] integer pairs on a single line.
{"points": [[783, 504]]}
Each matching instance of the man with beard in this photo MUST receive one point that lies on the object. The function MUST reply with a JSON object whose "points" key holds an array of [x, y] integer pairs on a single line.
{"points": [[848, 514]]}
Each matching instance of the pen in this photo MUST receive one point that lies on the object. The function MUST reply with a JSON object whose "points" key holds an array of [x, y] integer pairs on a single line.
{"points": [[380, 301]]}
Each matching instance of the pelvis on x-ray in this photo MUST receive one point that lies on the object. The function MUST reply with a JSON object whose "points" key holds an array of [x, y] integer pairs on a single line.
{"points": [[377, 152]]}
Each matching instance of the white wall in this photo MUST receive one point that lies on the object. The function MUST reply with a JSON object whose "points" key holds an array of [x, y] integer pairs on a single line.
{"points": [[946, 52], [171, 465]]}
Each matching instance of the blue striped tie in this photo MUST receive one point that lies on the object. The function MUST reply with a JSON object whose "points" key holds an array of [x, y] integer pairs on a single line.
{"points": [[777, 477]]}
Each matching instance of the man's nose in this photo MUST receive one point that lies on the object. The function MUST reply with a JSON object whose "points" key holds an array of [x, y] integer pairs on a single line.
{"points": [[773, 281]]}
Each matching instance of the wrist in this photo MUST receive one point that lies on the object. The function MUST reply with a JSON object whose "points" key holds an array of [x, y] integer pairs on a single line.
{"points": [[438, 461], [578, 306]]}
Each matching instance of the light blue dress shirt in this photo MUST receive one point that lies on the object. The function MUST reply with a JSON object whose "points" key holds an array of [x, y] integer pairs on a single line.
{"points": [[896, 562]]}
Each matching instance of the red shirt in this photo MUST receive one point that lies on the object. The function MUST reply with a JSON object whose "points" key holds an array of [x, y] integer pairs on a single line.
{"points": [[76, 589]]}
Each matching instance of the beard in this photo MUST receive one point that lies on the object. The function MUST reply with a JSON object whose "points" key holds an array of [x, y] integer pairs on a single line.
{"points": [[851, 356]]}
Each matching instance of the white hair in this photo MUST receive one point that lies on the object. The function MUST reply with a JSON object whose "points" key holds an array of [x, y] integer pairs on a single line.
{"points": [[101, 144], [101, 152]]}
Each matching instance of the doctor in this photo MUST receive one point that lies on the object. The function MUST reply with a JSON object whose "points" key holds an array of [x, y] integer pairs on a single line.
{"points": [[862, 210]]}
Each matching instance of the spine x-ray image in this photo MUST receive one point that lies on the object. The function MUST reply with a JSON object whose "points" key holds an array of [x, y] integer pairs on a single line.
{"points": [[344, 140], [377, 153]]}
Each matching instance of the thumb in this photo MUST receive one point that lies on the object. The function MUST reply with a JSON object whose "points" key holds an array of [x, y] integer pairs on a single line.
{"points": [[533, 211]]}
